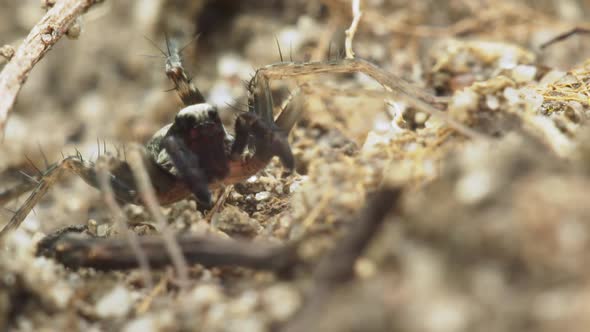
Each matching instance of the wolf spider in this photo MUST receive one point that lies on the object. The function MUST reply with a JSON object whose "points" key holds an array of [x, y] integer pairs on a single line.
{"points": [[195, 153], [191, 155]]}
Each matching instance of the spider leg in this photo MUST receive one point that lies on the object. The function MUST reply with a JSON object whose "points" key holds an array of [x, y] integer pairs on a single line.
{"points": [[269, 140], [175, 71], [187, 165], [84, 169], [413, 95], [270, 137]]}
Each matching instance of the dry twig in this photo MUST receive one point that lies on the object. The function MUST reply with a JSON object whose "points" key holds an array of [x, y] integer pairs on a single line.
{"points": [[39, 41], [337, 267], [121, 221], [356, 12], [114, 254], [148, 195]]}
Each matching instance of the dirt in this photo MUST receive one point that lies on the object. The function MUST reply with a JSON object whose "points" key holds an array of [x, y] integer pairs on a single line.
{"points": [[492, 233]]}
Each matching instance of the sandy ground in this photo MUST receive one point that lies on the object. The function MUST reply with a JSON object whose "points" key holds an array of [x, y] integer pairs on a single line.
{"points": [[491, 234]]}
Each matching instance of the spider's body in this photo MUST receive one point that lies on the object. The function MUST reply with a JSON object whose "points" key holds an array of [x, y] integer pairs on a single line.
{"points": [[197, 129], [191, 155]]}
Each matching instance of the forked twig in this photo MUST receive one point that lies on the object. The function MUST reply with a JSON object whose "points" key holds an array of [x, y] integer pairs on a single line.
{"points": [[146, 191], [337, 267], [39, 41]]}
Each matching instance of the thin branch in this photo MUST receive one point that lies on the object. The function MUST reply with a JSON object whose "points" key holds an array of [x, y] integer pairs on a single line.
{"points": [[337, 267], [39, 41], [146, 191], [350, 32], [564, 36], [114, 254], [121, 221]]}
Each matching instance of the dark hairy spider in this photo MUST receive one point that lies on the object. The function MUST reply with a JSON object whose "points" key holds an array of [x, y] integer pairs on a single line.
{"points": [[194, 153]]}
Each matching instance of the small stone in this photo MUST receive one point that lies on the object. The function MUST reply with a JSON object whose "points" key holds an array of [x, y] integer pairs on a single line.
{"points": [[281, 301], [512, 95], [474, 187], [102, 230], [524, 73], [205, 295], [245, 303], [61, 294], [492, 102], [234, 221], [141, 324], [464, 101], [365, 268], [262, 196], [7, 52], [116, 303]]}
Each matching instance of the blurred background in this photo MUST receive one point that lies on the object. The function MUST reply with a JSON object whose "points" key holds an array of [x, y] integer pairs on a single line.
{"points": [[494, 237]]}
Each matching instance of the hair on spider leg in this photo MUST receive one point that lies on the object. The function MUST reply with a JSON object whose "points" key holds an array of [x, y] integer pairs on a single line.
{"points": [[156, 46], [193, 40], [45, 161], [29, 177], [279, 48], [33, 164], [234, 107]]}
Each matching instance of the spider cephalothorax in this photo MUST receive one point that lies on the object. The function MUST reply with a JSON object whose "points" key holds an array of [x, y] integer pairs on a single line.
{"points": [[198, 152]]}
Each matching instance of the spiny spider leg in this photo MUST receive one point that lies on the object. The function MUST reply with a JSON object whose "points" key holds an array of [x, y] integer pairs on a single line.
{"points": [[84, 169], [188, 92], [413, 95]]}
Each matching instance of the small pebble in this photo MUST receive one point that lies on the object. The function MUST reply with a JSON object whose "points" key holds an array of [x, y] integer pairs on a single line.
{"points": [[524, 73], [116, 303], [141, 324], [262, 196]]}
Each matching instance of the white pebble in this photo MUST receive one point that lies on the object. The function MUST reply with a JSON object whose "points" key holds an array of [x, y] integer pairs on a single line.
{"points": [[464, 101], [492, 102], [262, 196], [524, 73], [474, 187], [116, 303], [512, 95], [61, 293], [204, 295], [141, 324], [281, 301]]}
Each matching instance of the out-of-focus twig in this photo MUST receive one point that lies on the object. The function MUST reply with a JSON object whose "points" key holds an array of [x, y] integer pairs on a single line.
{"points": [[146, 191], [120, 219], [39, 41], [337, 267], [564, 36], [356, 12], [113, 253]]}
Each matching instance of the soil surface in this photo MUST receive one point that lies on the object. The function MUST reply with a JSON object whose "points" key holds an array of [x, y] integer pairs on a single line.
{"points": [[489, 235]]}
